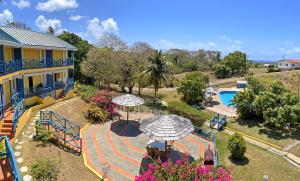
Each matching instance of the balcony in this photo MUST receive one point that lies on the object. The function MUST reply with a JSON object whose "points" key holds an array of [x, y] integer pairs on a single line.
{"points": [[17, 65]]}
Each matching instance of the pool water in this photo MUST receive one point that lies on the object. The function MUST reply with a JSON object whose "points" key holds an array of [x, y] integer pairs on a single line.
{"points": [[226, 97]]}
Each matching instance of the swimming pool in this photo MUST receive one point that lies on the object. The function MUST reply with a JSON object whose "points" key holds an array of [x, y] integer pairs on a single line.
{"points": [[226, 97]]}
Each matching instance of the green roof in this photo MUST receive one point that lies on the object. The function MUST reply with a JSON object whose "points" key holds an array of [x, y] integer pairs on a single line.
{"points": [[31, 38]]}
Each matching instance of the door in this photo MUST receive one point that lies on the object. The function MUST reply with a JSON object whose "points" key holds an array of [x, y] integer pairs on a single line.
{"points": [[49, 80], [20, 86], [49, 58], [30, 82], [17, 54]]}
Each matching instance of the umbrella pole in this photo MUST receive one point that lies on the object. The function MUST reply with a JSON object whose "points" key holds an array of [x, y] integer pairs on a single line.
{"points": [[127, 114], [166, 145]]}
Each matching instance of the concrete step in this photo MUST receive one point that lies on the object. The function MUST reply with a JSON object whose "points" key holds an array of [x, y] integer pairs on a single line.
{"points": [[6, 129], [7, 120], [7, 125], [8, 134]]}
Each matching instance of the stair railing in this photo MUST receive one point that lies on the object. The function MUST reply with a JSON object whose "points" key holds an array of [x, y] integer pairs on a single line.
{"points": [[19, 110], [16, 98], [9, 155], [70, 130], [69, 85]]}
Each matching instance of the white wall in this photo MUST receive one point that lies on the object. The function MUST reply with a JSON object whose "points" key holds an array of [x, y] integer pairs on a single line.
{"points": [[287, 65]]}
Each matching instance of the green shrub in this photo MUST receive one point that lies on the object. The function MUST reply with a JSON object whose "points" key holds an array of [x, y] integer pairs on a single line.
{"points": [[237, 146], [192, 87], [43, 134], [44, 170], [182, 109], [86, 91], [221, 70], [95, 114]]}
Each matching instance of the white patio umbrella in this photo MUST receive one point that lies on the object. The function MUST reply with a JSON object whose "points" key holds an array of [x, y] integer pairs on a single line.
{"points": [[166, 127], [128, 100]]}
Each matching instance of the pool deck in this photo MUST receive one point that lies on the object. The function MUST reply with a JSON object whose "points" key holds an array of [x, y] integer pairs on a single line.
{"points": [[219, 108]]}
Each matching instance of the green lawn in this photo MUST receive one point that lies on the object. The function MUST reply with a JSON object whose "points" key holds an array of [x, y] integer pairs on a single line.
{"points": [[258, 162], [257, 130], [296, 150]]}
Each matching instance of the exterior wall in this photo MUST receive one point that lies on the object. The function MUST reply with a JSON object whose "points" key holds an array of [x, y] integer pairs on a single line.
{"points": [[31, 54], [58, 54], [6, 89], [288, 65], [36, 80], [7, 54]]}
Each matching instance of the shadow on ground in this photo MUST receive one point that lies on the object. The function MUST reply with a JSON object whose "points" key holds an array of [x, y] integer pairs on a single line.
{"points": [[121, 128], [241, 162]]}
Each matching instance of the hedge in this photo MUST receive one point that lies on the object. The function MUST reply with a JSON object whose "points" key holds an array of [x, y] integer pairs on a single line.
{"points": [[182, 109]]}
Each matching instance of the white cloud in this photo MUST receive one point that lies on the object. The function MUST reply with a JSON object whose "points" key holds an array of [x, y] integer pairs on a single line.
{"points": [[238, 42], [56, 5], [96, 28], [21, 3], [43, 23], [6, 16], [224, 37], [289, 50], [76, 17], [166, 44]]}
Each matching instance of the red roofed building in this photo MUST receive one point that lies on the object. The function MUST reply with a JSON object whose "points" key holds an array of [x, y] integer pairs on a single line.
{"points": [[289, 64]]}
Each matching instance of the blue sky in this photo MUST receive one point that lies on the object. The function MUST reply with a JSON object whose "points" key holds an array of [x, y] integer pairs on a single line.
{"points": [[264, 29]]}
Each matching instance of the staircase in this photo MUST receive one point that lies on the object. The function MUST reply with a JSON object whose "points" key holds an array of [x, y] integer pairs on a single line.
{"points": [[7, 127], [68, 132]]}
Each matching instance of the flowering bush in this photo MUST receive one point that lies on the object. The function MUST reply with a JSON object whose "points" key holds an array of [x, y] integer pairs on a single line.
{"points": [[183, 170], [103, 100], [95, 114]]}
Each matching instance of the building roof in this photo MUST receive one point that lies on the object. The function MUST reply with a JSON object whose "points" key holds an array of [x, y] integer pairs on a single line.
{"points": [[29, 38], [293, 61], [290, 61]]}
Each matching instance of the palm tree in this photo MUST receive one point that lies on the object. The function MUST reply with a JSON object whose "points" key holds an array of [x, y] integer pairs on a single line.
{"points": [[156, 73]]}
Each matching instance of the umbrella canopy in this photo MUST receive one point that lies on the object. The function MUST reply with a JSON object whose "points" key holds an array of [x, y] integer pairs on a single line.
{"points": [[166, 127], [210, 90], [128, 100]]}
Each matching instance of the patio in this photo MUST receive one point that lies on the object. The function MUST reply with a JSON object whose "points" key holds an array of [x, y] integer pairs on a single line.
{"points": [[120, 148]]}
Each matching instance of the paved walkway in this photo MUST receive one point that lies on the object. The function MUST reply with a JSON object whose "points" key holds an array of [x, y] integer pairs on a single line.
{"points": [[119, 149]]}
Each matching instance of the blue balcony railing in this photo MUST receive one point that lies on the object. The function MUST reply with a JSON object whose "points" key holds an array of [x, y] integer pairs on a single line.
{"points": [[16, 65]]}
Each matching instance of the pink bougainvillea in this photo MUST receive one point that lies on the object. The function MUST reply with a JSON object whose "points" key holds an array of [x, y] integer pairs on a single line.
{"points": [[183, 170], [103, 100]]}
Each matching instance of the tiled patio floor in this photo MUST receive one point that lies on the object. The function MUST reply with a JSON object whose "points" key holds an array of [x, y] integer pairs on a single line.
{"points": [[120, 149]]}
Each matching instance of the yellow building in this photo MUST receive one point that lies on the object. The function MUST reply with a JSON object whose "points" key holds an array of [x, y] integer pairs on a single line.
{"points": [[32, 64]]}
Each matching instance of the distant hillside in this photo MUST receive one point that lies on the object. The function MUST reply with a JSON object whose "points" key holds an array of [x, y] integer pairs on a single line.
{"points": [[264, 61]]}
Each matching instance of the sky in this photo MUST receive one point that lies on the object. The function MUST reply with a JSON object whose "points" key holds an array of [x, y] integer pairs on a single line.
{"points": [[264, 29]]}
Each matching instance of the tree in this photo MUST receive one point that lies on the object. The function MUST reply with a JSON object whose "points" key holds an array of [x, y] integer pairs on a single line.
{"points": [[243, 102], [141, 82], [256, 86], [237, 146], [83, 47], [192, 87], [101, 65], [112, 41], [50, 30], [236, 61], [221, 70], [156, 73], [18, 25]]}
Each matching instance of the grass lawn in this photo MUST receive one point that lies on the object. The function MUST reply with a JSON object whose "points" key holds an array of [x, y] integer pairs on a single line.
{"points": [[296, 150], [258, 162], [288, 78], [257, 130]]}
